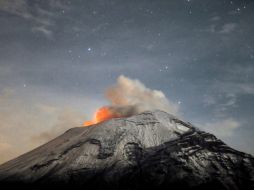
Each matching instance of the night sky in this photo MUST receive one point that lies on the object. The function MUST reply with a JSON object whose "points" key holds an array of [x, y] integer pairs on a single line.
{"points": [[57, 58]]}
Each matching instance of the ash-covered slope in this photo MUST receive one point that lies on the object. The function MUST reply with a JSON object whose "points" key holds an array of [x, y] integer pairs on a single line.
{"points": [[151, 150]]}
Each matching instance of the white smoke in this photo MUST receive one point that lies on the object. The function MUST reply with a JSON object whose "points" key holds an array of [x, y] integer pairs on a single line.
{"points": [[129, 97]]}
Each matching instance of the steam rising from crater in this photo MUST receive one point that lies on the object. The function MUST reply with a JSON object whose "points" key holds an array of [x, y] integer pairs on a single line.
{"points": [[129, 97]]}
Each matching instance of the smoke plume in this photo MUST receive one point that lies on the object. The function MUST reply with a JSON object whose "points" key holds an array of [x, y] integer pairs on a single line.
{"points": [[128, 97]]}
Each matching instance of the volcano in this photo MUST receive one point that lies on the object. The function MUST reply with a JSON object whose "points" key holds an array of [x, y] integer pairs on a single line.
{"points": [[151, 150]]}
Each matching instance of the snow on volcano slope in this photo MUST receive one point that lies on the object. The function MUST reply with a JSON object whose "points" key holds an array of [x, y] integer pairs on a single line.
{"points": [[152, 149]]}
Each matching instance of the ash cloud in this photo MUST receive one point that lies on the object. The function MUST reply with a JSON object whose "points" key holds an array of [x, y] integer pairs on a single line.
{"points": [[129, 97]]}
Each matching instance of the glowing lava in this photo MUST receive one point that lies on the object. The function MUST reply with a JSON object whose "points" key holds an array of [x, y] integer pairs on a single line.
{"points": [[102, 114]]}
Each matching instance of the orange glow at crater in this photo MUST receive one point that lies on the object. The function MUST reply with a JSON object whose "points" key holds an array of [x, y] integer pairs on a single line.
{"points": [[102, 114]]}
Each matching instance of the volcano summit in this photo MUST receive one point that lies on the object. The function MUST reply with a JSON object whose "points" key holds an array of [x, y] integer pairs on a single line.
{"points": [[152, 150]]}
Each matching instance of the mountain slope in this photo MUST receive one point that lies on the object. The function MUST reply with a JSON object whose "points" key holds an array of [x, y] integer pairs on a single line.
{"points": [[152, 150]]}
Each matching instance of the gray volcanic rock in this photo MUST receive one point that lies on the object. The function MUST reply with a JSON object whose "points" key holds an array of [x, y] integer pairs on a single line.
{"points": [[148, 150]]}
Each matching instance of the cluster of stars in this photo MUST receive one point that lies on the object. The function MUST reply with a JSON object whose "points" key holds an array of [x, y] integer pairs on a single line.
{"points": [[164, 69], [238, 9]]}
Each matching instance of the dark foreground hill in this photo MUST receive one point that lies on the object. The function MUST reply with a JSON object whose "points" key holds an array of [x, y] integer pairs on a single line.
{"points": [[152, 150]]}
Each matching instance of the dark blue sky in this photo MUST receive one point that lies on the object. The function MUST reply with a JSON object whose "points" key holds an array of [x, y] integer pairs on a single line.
{"points": [[61, 55]]}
